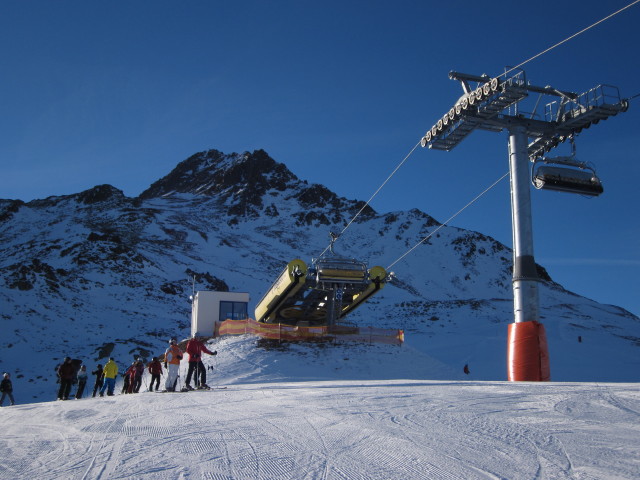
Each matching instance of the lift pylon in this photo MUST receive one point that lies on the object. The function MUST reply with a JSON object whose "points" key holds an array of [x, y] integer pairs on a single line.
{"points": [[493, 105]]}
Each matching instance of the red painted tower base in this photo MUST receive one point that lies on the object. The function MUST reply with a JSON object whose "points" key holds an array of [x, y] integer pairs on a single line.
{"points": [[527, 353]]}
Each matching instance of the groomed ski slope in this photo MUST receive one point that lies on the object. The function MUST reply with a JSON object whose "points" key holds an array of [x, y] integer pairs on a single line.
{"points": [[346, 429]]}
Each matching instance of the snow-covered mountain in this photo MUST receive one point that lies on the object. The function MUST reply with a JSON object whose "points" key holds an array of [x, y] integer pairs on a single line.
{"points": [[97, 273]]}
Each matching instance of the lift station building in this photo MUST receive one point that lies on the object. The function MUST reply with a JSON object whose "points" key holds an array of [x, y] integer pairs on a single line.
{"points": [[208, 307]]}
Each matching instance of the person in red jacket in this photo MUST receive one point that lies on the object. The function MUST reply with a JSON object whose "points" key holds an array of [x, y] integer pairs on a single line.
{"points": [[195, 349], [129, 379], [155, 369], [137, 378]]}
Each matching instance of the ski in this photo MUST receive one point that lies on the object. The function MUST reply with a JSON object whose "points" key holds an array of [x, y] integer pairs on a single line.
{"points": [[200, 389]]}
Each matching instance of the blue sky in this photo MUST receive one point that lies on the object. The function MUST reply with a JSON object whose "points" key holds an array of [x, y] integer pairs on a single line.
{"points": [[120, 92]]}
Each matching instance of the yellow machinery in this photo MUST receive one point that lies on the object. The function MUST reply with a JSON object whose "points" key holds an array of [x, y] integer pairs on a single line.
{"points": [[290, 281], [321, 295]]}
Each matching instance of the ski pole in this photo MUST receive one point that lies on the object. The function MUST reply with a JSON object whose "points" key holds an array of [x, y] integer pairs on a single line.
{"points": [[213, 369]]}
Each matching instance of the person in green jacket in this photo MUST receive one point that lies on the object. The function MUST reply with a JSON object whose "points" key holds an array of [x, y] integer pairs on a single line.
{"points": [[110, 373]]}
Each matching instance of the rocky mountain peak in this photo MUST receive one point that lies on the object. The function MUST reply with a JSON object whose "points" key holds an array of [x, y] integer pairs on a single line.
{"points": [[247, 185], [213, 173]]}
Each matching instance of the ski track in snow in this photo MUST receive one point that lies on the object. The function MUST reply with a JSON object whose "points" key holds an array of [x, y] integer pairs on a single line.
{"points": [[333, 430]]}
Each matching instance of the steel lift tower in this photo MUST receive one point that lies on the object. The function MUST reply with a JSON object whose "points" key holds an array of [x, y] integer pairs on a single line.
{"points": [[494, 105]]}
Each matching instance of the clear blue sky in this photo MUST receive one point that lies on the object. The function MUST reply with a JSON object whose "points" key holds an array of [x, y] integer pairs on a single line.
{"points": [[120, 92]]}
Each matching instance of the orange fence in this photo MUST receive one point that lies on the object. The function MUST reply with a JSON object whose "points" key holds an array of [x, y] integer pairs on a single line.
{"points": [[338, 333]]}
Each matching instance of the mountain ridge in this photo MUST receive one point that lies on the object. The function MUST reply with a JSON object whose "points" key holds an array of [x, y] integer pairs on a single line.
{"points": [[97, 273]]}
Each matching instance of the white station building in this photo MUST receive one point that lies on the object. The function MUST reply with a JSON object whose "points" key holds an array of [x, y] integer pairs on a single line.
{"points": [[208, 307]]}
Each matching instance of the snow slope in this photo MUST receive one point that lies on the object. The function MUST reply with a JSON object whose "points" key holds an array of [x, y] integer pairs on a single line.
{"points": [[366, 429]]}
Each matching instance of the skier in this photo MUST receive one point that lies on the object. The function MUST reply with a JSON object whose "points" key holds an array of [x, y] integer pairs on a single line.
{"points": [[99, 378], [82, 381], [110, 372], [155, 369], [172, 358], [66, 374], [129, 378], [7, 390], [195, 349], [466, 369], [137, 377]]}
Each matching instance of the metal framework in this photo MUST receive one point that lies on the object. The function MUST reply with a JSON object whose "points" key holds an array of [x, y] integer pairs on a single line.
{"points": [[494, 106], [323, 294]]}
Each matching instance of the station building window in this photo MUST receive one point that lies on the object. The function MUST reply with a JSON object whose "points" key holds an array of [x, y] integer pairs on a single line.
{"points": [[233, 311]]}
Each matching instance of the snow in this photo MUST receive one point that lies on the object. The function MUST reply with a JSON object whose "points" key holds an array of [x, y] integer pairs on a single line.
{"points": [[333, 430], [293, 411]]}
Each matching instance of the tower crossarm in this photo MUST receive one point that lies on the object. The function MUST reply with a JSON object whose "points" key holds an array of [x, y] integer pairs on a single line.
{"points": [[494, 105], [570, 118]]}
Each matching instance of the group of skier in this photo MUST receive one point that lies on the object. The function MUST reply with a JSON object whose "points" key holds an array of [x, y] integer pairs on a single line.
{"points": [[172, 358], [72, 372]]}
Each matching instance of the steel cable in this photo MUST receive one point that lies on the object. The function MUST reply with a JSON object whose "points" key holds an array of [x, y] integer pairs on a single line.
{"points": [[450, 218], [375, 194], [416, 146], [570, 38]]}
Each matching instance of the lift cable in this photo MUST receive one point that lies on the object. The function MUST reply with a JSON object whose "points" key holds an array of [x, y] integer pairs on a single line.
{"points": [[504, 74], [571, 37], [451, 218], [372, 197], [416, 146]]}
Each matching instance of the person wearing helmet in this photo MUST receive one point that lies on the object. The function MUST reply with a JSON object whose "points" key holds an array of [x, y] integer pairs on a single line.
{"points": [[195, 349], [172, 358], [7, 389]]}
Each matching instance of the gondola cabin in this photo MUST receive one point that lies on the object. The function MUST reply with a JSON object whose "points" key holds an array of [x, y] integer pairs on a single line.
{"points": [[570, 180]]}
